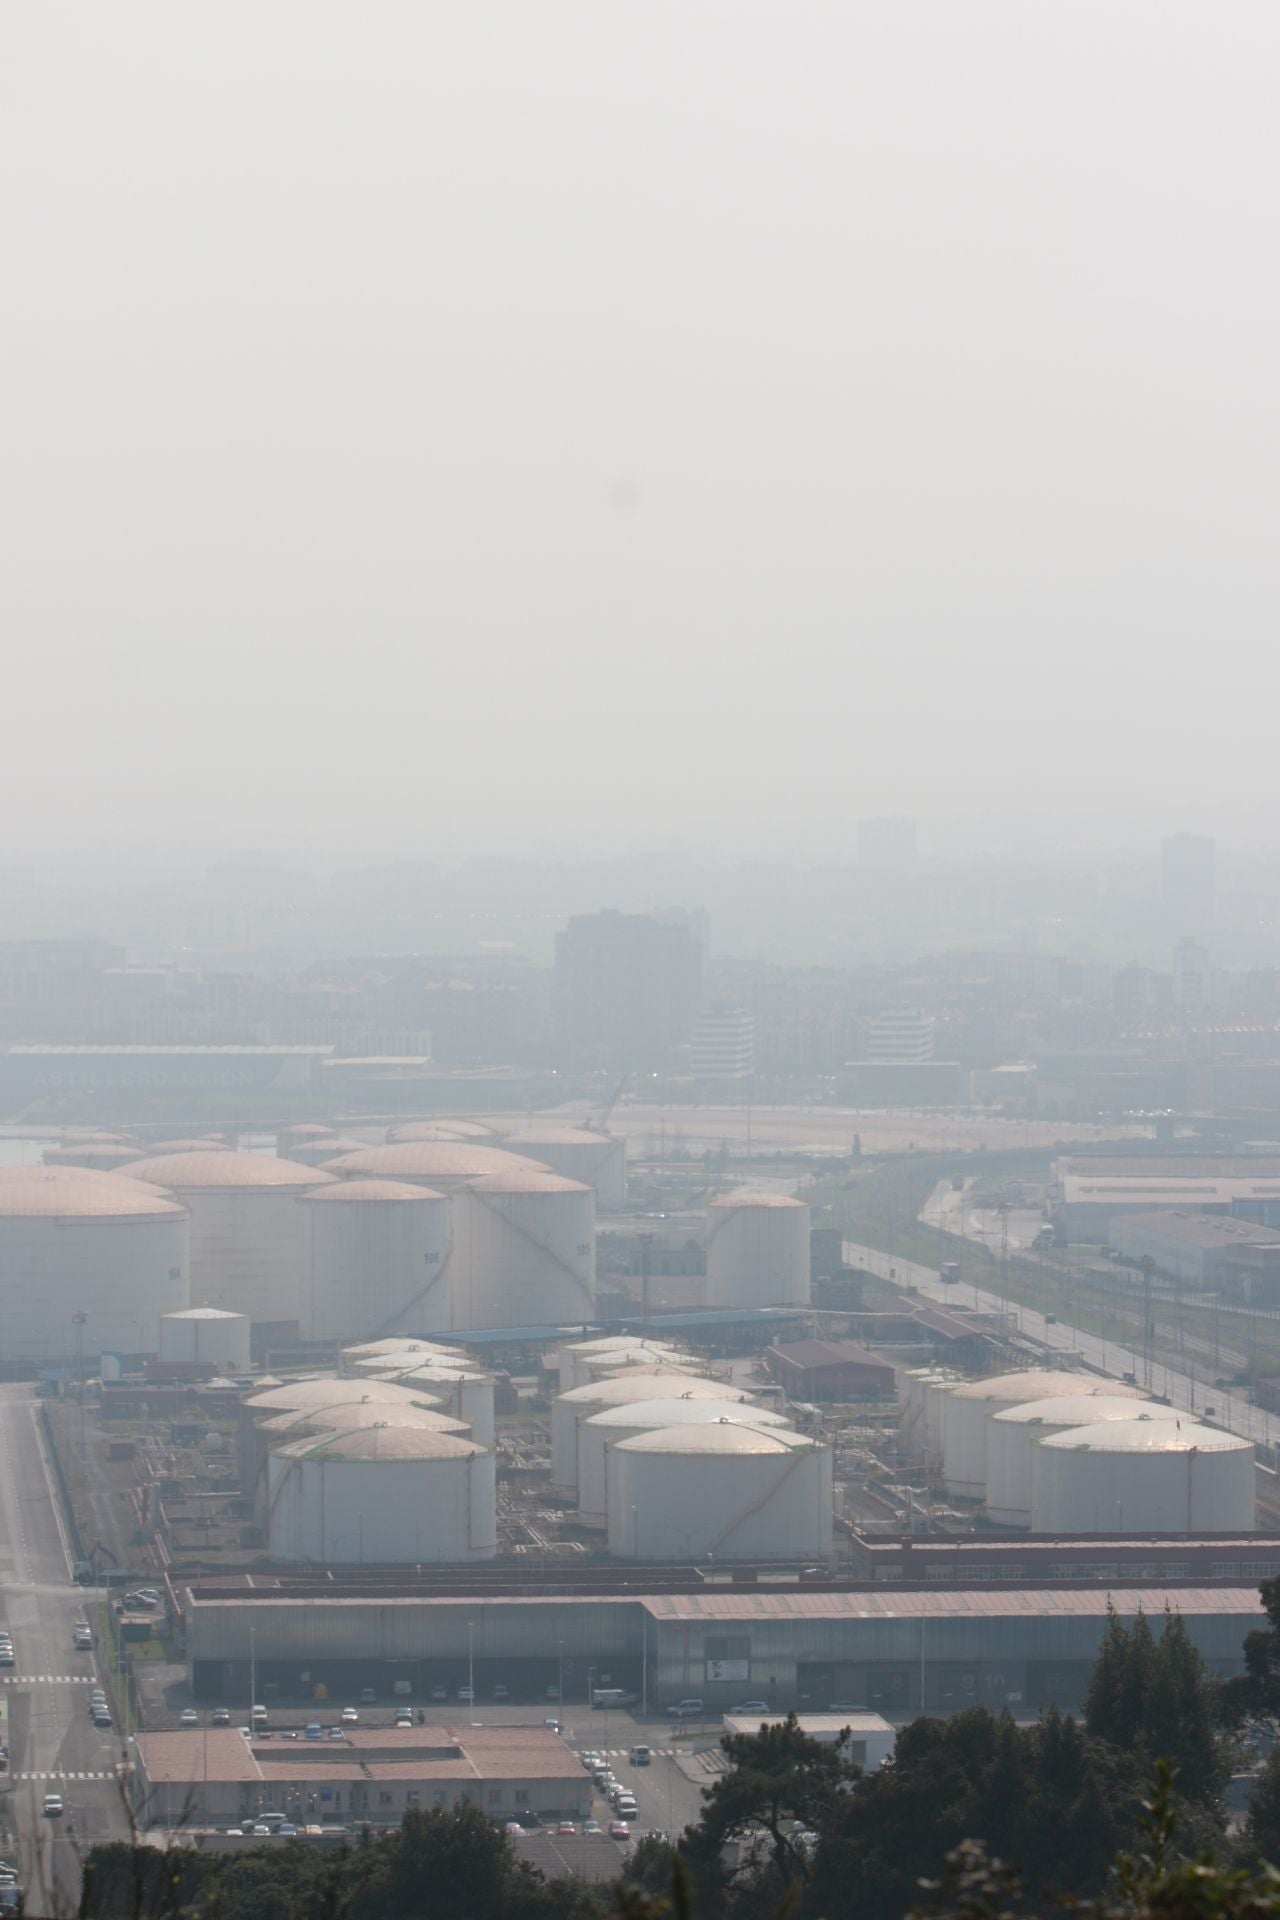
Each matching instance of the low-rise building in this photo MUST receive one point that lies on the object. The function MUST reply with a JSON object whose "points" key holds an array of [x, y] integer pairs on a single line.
{"points": [[1203, 1249], [216, 1777], [829, 1370], [867, 1738]]}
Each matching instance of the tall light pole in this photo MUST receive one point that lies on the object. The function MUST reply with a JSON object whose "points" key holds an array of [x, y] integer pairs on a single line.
{"points": [[253, 1678], [471, 1668], [78, 1320]]}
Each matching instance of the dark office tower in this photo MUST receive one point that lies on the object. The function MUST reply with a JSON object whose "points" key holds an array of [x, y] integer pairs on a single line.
{"points": [[1187, 880], [627, 989], [887, 844]]}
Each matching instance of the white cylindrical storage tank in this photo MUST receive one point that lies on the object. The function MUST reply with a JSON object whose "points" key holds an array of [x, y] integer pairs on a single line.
{"points": [[466, 1392], [524, 1250], [378, 1258], [153, 1147], [594, 1158], [969, 1407], [77, 1242], [382, 1496], [430, 1163], [398, 1350], [601, 1431], [570, 1353], [757, 1251], [728, 1490], [205, 1336], [408, 1131], [1014, 1434], [611, 1366], [910, 1383], [278, 1427], [935, 1393], [248, 1239], [1143, 1476], [95, 1156], [320, 1394], [568, 1410], [314, 1153]]}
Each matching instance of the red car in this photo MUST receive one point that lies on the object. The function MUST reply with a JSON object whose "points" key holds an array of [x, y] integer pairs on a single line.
{"points": [[619, 1830]]}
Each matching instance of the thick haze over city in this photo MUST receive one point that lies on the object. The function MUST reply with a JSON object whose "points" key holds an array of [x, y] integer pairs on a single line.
{"points": [[568, 429]]}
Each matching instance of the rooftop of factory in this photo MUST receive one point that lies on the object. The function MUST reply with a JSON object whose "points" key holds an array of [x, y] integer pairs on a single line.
{"points": [[382, 1753], [1126, 1190], [1204, 1229]]}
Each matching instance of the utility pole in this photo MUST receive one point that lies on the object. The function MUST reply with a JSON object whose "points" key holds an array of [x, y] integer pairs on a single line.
{"points": [[646, 1243], [79, 1320], [1004, 1259]]}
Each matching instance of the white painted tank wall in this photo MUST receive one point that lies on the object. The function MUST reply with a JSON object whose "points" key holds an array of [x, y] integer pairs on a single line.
{"points": [[596, 1160], [121, 1272], [433, 1511], [1142, 1477], [668, 1500], [601, 1431], [1014, 1434], [570, 1409], [524, 1251], [757, 1251], [376, 1262], [968, 1408], [205, 1336]]}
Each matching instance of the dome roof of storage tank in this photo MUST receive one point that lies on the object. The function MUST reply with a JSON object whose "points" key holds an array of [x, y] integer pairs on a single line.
{"points": [[238, 1171], [96, 1137], [380, 1443], [692, 1411], [644, 1384], [334, 1145], [353, 1414], [328, 1391], [53, 1193], [352, 1192], [203, 1313], [111, 1153], [742, 1198], [620, 1358], [1144, 1435], [1017, 1389], [526, 1180], [431, 1160], [1081, 1410], [185, 1146], [609, 1341], [434, 1369], [396, 1342], [725, 1435], [305, 1130], [413, 1130], [561, 1137]]}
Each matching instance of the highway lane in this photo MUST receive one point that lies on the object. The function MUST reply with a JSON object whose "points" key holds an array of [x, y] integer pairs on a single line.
{"points": [[53, 1747], [1233, 1412]]}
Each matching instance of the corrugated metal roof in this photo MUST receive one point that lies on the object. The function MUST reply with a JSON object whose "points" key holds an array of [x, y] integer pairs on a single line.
{"points": [[64, 1193], [240, 1171], [981, 1603]]}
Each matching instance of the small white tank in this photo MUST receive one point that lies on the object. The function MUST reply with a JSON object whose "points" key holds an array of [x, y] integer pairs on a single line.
{"points": [[378, 1259], [601, 1431], [205, 1336], [1143, 1476], [568, 1410], [409, 1131], [1014, 1435], [725, 1492], [397, 1349], [596, 1159], [623, 1360], [382, 1496], [757, 1251], [968, 1409], [318, 1395], [524, 1251]]}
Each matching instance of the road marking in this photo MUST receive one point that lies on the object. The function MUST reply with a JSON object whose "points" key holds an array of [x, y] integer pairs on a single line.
{"points": [[64, 1776], [46, 1679]]}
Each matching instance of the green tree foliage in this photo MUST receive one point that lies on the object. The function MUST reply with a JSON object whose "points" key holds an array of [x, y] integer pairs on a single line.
{"points": [[1152, 1699], [1257, 1692]]}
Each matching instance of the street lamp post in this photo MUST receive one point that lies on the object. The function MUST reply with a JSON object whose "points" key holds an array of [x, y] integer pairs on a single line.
{"points": [[471, 1668]]}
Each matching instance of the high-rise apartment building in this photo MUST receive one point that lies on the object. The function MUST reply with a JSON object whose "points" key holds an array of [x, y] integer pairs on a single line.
{"points": [[899, 1033], [627, 989], [724, 1045]]}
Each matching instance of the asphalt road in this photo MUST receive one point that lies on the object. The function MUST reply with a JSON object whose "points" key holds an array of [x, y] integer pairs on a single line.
{"points": [[52, 1745]]}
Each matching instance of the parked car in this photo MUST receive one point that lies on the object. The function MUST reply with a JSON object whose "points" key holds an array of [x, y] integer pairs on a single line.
{"points": [[188, 1717], [592, 1826], [684, 1709], [313, 1731], [752, 1706], [619, 1830], [512, 1827], [566, 1826], [222, 1716], [350, 1717]]}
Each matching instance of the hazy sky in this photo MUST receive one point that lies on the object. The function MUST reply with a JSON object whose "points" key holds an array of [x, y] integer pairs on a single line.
{"points": [[561, 424]]}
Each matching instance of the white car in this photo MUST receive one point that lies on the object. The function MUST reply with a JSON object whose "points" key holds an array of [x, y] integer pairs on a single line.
{"points": [[53, 1805], [350, 1717], [188, 1717]]}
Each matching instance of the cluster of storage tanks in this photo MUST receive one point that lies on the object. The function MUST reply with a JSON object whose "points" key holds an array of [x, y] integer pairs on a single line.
{"points": [[671, 1464], [380, 1467], [1062, 1452], [444, 1226]]}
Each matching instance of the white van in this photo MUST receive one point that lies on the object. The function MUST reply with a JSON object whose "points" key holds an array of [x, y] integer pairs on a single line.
{"points": [[612, 1697]]}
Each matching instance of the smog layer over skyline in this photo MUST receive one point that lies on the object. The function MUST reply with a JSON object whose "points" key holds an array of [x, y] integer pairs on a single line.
{"points": [[564, 430]]}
